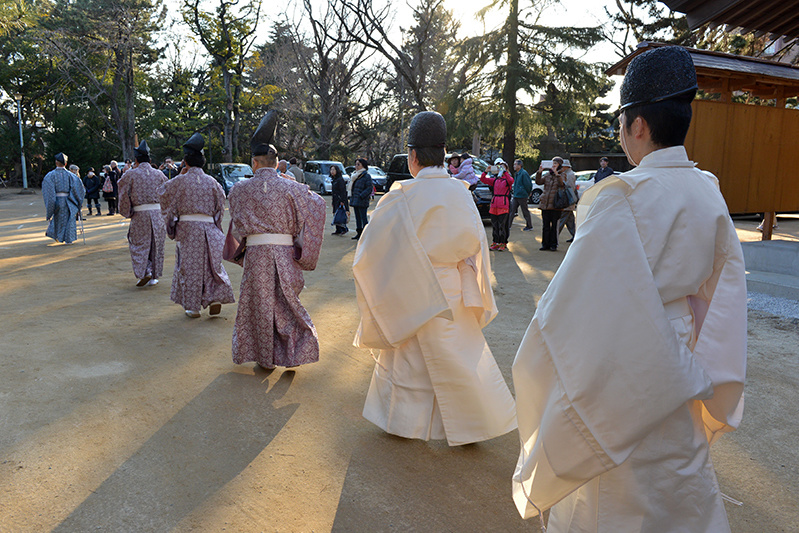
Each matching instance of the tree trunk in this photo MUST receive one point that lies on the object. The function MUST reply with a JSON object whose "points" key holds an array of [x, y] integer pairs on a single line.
{"points": [[227, 155], [511, 118]]}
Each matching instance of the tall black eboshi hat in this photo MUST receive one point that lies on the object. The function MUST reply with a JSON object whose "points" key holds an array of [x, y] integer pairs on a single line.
{"points": [[141, 150], [428, 130], [264, 136], [61, 157], [195, 145], [659, 74]]}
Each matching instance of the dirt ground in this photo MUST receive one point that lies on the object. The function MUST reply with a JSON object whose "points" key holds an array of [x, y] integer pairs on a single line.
{"points": [[118, 413]]}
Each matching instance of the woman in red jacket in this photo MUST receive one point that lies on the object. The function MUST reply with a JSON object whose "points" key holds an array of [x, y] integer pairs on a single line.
{"points": [[501, 185]]}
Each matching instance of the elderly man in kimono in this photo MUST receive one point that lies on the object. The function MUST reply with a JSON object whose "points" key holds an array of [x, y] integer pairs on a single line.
{"points": [[279, 224], [422, 279], [63, 197], [616, 423], [139, 201], [193, 204]]}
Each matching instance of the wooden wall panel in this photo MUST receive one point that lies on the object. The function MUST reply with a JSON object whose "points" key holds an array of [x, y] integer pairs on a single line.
{"points": [[764, 150], [754, 151], [787, 198]]}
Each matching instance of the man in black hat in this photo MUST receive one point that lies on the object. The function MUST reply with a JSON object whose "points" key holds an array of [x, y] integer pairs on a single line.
{"points": [[63, 197], [281, 223], [193, 204], [423, 282], [139, 201], [616, 422]]}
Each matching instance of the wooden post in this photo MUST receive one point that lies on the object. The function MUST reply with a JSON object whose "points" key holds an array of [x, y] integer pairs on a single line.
{"points": [[768, 225], [726, 94]]}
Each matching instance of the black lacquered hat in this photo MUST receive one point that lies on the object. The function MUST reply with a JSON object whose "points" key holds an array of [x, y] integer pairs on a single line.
{"points": [[61, 157], [194, 145], [264, 136], [428, 130], [659, 74], [142, 149]]}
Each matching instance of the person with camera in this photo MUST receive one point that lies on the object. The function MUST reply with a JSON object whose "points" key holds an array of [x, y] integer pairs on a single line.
{"points": [[169, 168], [553, 180], [501, 182]]}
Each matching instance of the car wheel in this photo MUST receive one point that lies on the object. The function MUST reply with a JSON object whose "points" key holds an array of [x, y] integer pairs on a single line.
{"points": [[535, 197], [322, 191]]}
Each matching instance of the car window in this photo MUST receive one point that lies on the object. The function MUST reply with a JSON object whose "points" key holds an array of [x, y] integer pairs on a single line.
{"points": [[375, 171], [399, 165]]}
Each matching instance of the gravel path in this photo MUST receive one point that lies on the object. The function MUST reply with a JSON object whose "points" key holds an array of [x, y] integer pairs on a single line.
{"points": [[772, 304]]}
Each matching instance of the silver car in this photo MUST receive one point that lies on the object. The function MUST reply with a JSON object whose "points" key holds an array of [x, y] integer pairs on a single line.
{"points": [[317, 175]]}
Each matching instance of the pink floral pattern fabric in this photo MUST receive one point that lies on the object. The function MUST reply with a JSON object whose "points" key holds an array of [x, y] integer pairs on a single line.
{"points": [[272, 327], [147, 232], [199, 277]]}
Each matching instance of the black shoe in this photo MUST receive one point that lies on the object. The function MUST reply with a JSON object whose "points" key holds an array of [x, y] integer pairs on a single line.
{"points": [[543, 248], [357, 236], [570, 240], [553, 249]]}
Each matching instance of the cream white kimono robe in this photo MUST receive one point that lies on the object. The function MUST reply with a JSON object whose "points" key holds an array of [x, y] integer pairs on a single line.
{"points": [[616, 421], [422, 278]]}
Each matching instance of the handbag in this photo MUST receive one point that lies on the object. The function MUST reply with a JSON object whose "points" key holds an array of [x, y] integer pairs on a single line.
{"points": [[570, 192], [108, 186], [561, 199], [341, 217]]}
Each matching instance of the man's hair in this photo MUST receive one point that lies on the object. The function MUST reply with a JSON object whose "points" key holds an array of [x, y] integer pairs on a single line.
{"points": [[268, 160], [520, 162], [143, 158], [194, 160], [605, 159], [668, 120], [429, 157], [293, 161]]}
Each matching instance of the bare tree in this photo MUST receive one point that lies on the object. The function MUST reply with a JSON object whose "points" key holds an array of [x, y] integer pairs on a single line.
{"points": [[227, 35], [331, 68]]}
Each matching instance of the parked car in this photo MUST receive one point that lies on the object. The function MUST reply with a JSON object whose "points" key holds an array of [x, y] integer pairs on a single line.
{"points": [[585, 180], [228, 174], [317, 175], [397, 170], [379, 178]]}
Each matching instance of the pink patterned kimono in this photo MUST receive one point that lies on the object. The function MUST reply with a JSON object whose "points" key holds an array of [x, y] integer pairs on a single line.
{"points": [[199, 277], [139, 201], [272, 327]]}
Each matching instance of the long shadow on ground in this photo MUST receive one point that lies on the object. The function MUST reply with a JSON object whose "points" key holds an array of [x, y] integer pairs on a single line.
{"points": [[396, 484], [217, 435]]}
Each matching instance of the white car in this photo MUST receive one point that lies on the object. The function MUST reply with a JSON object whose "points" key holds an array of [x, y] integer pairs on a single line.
{"points": [[585, 180]]}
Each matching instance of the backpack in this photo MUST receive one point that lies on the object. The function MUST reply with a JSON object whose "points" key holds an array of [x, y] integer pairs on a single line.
{"points": [[108, 186]]}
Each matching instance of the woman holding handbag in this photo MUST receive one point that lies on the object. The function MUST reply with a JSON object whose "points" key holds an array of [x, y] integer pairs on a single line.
{"points": [[341, 208], [553, 181]]}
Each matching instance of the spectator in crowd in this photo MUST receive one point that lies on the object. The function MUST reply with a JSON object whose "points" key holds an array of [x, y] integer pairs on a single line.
{"points": [[361, 187], [552, 179], [522, 187], [296, 171], [75, 169], [466, 171], [567, 215], [282, 169], [501, 183], [92, 184], [454, 164], [110, 188], [339, 194], [604, 170], [169, 168]]}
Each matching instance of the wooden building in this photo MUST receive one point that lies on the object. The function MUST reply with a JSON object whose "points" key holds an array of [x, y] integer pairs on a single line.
{"points": [[752, 149]]}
